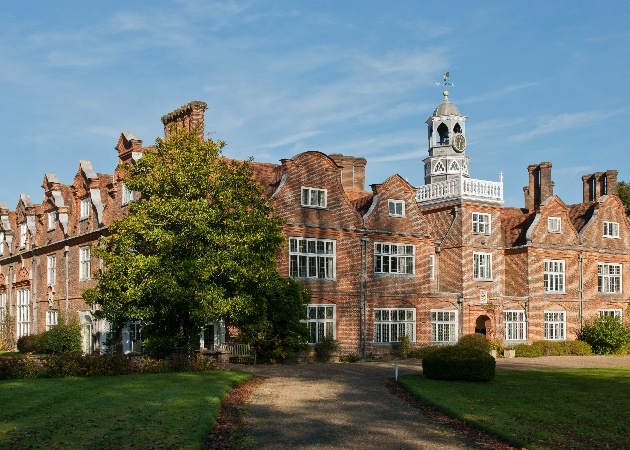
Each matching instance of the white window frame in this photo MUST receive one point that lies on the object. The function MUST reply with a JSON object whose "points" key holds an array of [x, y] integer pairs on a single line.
{"points": [[314, 197], [321, 321], [609, 278], [610, 312], [2, 240], [396, 208], [312, 258], [554, 224], [85, 208], [481, 223], [390, 324], [482, 266], [23, 312], [52, 318], [85, 263], [3, 309], [555, 325], [23, 234], [611, 230], [515, 325], [51, 270], [555, 275], [52, 220], [431, 267], [391, 258], [444, 326], [128, 195]]}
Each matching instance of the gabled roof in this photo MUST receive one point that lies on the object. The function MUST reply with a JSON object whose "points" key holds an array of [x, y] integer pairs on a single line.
{"points": [[515, 223], [581, 213], [361, 200]]}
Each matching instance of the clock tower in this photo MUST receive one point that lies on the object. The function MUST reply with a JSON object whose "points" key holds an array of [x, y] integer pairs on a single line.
{"points": [[447, 143]]}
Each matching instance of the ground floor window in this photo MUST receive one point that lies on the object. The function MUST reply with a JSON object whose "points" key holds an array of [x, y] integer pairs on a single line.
{"points": [[555, 325], [515, 325], [23, 312], [3, 308], [616, 313], [391, 324], [444, 326], [52, 318], [320, 320]]}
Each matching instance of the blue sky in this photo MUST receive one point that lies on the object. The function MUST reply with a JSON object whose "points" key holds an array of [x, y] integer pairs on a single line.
{"points": [[538, 80]]}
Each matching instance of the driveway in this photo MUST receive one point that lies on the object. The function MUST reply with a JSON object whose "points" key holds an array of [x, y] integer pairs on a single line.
{"points": [[331, 406]]}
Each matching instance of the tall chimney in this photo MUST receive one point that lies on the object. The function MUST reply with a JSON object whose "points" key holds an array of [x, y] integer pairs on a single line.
{"points": [[352, 171], [189, 117], [540, 186], [599, 183]]}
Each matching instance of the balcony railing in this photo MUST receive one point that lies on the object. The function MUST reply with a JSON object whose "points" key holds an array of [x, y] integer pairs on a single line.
{"points": [[461, 188]]}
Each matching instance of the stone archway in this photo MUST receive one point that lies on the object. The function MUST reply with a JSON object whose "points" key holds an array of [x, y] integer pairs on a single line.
{"points": [[483, 325]]}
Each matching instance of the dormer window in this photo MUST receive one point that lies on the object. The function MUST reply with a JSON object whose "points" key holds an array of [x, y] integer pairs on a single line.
{"points": [[23, 231], [611, 229], [85, 209], [397, 208], [554, 225], [52, 220], [313, 197]]}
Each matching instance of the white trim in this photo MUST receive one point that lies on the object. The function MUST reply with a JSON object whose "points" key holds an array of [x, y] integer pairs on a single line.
{"points": [[554, 276], [555, 325], [444, 326], [481, 223], [482, 266], [609, 278], [554, 225], [611, 230], [515, 325], [321, 321], [393, 258], [396, 208], [313, 197], [392, 323]]}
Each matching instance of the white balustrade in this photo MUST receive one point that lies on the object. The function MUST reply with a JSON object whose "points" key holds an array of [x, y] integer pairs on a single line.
{"points": [[461, 188]]}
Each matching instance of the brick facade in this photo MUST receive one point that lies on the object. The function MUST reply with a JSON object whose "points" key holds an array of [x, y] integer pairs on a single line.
{"points": [[382, 262]]}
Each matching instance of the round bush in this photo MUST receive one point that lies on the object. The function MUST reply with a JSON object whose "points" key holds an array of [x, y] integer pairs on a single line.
{"points": [[606, 335], [475, 341], [459, 363], [579, 348], [60, 339], [28, 344]]}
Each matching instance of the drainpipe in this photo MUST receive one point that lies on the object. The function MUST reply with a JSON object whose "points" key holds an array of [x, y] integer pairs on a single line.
{"points": [[66, 251], [34, 283], [580, 288], [363, 296]]}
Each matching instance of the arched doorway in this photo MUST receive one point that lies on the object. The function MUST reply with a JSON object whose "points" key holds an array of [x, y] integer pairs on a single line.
{"points": [[483, 325]]}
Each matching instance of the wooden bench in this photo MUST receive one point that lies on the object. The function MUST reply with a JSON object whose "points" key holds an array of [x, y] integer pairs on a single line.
{"points": [[240, 352]]}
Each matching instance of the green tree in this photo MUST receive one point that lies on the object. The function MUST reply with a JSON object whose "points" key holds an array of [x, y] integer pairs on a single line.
{"points": [[200, 244], [623, 189]]}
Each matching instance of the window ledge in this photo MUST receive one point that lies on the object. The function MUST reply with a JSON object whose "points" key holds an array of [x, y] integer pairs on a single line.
{"points": [[394, 275], [314, 207], [483, 279]]}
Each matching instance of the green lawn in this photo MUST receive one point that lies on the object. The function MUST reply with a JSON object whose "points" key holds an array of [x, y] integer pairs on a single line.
{"points": [[165, 411], [568, 408]]}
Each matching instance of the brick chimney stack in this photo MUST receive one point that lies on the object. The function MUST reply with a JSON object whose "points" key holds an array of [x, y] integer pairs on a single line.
{"points": [[598, 184], [352, 171], [540, 186], [190, 117]]}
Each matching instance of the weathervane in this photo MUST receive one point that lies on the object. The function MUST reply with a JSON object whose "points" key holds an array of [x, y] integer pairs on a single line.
{"points": [[446, 76]]}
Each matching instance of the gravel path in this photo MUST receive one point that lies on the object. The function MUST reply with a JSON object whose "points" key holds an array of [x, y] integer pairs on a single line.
{"points": [[348, 406]]}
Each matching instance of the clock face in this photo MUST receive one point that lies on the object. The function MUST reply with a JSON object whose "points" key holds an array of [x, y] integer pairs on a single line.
{"points": [[459, 143]]}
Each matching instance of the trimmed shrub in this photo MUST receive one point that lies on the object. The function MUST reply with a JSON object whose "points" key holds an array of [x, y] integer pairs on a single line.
{"points": [[459, 363], [325, 348], [476, 340], [19, 367], [61, 338], [405, 347], [28, 344], [579, 348], [606, 335], [350, 358]]}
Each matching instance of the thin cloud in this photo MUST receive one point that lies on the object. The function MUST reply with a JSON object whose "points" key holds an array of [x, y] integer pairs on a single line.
{"points": [[561, 122]]}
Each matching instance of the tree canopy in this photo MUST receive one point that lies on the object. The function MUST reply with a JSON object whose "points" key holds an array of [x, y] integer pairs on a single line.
{"points": [[623, 189], [199, 244]]}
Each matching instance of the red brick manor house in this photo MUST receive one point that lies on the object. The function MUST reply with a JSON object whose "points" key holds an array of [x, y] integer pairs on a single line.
{"points": [[431, 262]]}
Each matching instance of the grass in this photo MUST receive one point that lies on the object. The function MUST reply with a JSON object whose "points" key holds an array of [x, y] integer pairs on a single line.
{"points": [[166, 411], [567, 408]]}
